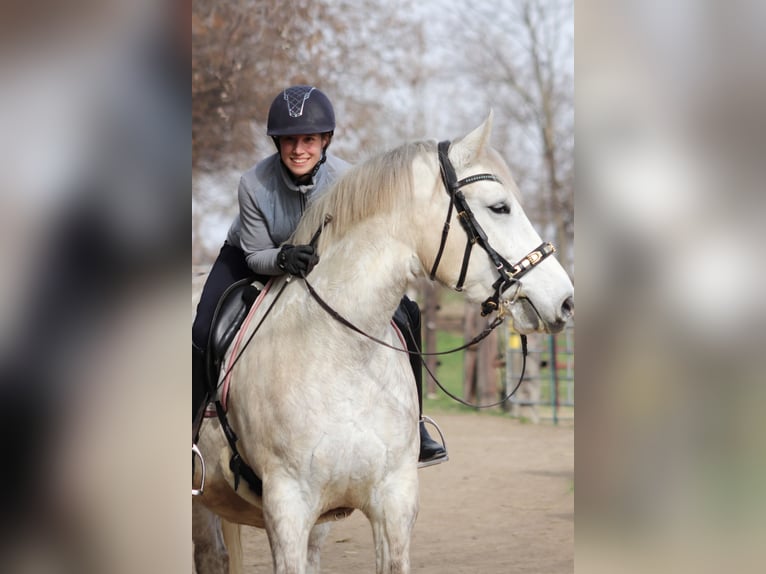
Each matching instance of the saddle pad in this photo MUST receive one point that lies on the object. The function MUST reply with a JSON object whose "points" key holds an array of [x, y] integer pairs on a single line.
{"points": [[231, 355]]}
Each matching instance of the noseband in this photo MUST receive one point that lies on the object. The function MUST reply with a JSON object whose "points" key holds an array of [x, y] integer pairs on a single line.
{"points": [[508, 274]]}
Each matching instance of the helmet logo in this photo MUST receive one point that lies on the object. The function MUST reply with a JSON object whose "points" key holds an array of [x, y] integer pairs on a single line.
{"points": [[296, 97]]}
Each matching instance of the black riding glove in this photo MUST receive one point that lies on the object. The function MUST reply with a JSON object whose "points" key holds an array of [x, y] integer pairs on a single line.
{"points": [[297, 259]]}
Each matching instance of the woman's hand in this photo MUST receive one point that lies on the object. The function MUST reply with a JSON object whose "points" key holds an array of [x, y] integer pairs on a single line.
{"points": [[297, 259]]}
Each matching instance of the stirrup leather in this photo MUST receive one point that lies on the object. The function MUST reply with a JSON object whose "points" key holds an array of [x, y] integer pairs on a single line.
{"points": [[445, 458], [196, 452]]}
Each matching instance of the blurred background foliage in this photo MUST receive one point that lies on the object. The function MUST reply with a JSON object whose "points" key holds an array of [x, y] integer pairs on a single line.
{"points": [[395, 72]]}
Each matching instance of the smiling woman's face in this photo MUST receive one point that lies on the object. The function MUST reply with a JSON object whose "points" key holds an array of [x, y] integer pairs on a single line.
{"points": [[300, 153]]}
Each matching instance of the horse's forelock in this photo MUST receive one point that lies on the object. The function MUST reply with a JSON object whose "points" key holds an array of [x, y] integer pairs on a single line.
{"points": [[377, 185]]}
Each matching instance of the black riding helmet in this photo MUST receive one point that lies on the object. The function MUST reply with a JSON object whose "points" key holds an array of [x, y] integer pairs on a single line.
{"points": [[301, 110]]}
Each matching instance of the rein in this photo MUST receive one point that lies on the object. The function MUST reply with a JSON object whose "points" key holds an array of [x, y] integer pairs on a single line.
{"points": [[475, 234], [346, 323], [491, 327], [466, 403], [508, 275], [237, 464], [314, 238]]}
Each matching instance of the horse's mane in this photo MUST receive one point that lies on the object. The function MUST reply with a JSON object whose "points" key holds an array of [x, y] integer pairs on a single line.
{"points": [[377, 185]]}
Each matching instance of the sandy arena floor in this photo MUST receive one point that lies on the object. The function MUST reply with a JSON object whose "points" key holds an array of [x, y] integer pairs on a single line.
{"points": [[504, 503]]}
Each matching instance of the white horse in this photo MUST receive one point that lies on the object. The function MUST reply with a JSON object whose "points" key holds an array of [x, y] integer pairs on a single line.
{"points": [[328, 418]]}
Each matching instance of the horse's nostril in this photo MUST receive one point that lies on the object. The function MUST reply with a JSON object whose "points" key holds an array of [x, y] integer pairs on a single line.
{"points": [[567, 307]]}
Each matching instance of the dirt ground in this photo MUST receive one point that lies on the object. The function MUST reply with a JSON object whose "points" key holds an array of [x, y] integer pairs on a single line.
{"points": [[503, 503]]}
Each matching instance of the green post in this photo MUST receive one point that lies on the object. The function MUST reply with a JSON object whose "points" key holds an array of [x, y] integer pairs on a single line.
{"points": [[554, 380]]}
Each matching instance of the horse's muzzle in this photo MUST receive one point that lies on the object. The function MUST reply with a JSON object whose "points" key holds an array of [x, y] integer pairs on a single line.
{"points": [[566, 312]]}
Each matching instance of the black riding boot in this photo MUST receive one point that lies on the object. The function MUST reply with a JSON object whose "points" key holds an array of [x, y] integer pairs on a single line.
{"points": [[430, 450]]}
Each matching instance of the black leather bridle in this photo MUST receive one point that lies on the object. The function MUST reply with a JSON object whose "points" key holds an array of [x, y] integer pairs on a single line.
{"points": [[509, 274]]}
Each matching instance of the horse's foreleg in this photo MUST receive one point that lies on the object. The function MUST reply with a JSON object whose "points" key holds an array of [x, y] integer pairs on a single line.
{"points": [[288, 524], [316, 538], [392, 521]]}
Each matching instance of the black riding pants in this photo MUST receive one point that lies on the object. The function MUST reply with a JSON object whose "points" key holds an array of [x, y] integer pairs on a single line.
{"points": [[229, 267], [407, 318]]}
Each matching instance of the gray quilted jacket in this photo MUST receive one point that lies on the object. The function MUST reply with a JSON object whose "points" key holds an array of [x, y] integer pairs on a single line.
{"points": [[270, 206]]}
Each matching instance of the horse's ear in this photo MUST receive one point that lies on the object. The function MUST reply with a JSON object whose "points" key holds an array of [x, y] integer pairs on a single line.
{"points": [[468, 148]]}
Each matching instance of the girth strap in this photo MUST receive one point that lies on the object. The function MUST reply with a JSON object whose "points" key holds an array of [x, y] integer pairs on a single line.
{"points": [[237, 464]]}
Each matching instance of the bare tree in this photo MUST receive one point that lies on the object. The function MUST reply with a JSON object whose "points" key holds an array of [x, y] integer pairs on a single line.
{"points": [[359, 52], [522, 56], [516, 57], [245, 50], [240, 51]]}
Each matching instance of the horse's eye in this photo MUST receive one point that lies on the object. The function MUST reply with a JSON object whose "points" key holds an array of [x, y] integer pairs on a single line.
{"points": [[500, 208]]}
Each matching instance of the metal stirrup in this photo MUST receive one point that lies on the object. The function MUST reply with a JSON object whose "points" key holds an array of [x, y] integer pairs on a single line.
{"points": [[445, 458], [196, 451]]}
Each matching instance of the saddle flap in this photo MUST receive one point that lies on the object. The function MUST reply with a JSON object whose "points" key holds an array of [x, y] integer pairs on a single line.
{"points": [[232, 312]]}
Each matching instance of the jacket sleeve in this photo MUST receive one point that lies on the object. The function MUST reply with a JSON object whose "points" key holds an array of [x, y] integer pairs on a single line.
{"points": [[260, 250]]}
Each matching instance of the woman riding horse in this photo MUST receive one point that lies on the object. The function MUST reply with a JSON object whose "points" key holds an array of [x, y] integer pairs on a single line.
{"points": [[272, 198]]}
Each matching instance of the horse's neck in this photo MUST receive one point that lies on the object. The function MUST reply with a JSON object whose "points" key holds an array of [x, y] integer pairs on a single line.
{"points": [[366, 273]]}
